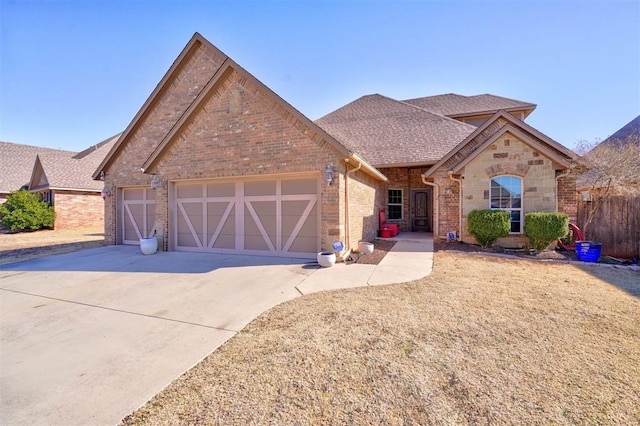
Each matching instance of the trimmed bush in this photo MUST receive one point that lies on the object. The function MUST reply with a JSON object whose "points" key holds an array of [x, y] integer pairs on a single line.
{"points": [[24, 210], [489, 225], [544, 228]]}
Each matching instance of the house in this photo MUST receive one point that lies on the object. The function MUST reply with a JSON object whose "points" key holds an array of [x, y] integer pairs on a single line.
{"points": [[16, 165], [616, 161], [449, 154], [62, 178], [216, 161]]}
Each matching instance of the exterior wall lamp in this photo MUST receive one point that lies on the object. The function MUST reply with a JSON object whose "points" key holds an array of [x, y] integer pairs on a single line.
{"points": [[106, 192], [155, 182], [328, 174]]}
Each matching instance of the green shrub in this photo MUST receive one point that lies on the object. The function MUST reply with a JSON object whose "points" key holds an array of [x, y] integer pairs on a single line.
{"points": [[489, 225], [544, 228], [24, 210]]}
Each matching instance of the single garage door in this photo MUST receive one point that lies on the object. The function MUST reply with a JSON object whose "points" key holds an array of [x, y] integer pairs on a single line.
{"points": [[276, 217], [137, 215]]}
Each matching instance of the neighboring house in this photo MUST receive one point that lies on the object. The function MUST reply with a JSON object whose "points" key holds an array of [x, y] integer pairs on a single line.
{"points": [[63, 178], [215, 161], [629, 133], [619, 174], [16, 165]]}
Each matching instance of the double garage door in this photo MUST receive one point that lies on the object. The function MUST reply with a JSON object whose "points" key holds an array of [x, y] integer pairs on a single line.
{"points": [[277, 217]]}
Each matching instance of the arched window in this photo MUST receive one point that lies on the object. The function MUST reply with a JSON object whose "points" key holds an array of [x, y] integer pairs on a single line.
{"points": [[506, 194]]}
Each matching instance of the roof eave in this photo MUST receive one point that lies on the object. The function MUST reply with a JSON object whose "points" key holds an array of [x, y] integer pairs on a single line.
{"points": [[530, 108], [406, 164], [367, 168]]}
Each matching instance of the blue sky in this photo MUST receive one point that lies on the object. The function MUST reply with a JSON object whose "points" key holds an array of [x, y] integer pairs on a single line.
{"points": [[73, 73]]}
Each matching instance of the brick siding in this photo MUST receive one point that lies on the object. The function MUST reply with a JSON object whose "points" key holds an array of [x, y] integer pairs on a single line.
{"points": [[406, 179], [365, 199], [238, 132], [76, 209]]}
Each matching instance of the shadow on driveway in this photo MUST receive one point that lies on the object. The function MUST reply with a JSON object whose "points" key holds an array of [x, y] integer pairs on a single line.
{"points": [[124, 258]]}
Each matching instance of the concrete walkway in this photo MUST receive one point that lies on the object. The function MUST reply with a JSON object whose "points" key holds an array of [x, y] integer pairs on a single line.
{"points": [[411, 258], [88, 337]]}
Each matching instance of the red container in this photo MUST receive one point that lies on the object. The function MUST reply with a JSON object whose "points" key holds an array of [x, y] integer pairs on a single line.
{"points": [[385, 233]]}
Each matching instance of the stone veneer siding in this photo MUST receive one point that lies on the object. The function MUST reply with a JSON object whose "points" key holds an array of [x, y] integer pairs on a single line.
{"points": [[510, 156]]}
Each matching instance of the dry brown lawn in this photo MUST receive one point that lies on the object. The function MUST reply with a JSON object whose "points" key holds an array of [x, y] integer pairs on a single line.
{"points": [[483, 340], [21, 246]]}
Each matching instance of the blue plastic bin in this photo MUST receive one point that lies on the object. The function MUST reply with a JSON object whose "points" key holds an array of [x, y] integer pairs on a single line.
{"points": [[588, 251]]}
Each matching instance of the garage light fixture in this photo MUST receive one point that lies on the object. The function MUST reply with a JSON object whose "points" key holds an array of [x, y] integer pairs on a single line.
{"points": [[106, 192], [328, 174], [155, 182]]}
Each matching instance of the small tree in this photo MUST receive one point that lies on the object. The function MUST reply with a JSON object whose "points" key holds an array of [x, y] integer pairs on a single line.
{"points": [[614, 169], [24, 210], [544, 228], [489, 225]]}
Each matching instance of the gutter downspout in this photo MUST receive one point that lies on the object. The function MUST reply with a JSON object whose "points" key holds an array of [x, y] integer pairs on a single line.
{"points": [[346, 199], [436, 213], [561, 175], [459, 204]]}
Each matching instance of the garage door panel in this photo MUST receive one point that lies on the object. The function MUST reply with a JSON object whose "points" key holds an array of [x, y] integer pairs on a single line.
{"points": [[137, 216], [260, 188], [225, 189], [259, 231], [131, 227], [256, 242], [151, 218], [221, 225], [293, 211], [304, 245], [309, 228], [189, 191], [133, 194], [187, 232], [299, 186], [225, 241]]}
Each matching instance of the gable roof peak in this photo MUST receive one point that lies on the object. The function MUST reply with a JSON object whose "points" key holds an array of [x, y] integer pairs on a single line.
{"points": [[514, 125]]}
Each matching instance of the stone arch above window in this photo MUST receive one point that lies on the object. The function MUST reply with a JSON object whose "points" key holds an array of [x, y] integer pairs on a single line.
{"points": [[515, 169]]}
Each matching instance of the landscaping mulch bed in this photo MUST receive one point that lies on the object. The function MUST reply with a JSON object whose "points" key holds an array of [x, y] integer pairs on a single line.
{"points": [[380, 250], [550, 255]]}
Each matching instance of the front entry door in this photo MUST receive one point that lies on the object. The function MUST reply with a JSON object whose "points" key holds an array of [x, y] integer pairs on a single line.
{"points": [[421, 210]]}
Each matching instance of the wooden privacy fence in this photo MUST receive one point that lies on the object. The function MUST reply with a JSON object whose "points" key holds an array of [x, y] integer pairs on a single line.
{"points": [[616, 224]]}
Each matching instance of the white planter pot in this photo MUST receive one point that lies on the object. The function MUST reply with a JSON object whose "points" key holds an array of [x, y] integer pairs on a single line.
{"points": [[365, 247], [149, 245], [326, 259]]}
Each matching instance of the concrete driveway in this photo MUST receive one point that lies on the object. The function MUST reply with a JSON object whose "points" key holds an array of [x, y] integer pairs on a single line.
{"points": [[88, 337]]}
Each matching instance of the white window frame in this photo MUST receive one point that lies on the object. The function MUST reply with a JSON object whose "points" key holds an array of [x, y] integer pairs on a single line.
{"points": [[389, 204], [510, 209]]}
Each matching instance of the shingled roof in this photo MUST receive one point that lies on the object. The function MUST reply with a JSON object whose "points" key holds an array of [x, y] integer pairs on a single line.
{"points": [[630, 133], [453, 105], [71, 172], [16, 163], [387, 132], [61, 169]]}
